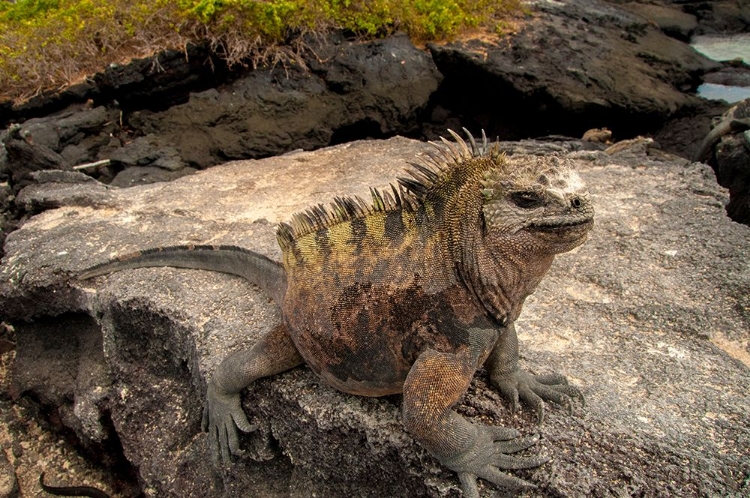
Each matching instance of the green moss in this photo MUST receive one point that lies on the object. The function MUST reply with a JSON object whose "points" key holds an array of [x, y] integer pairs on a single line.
{"points": [[49, 43], [23, 10]]}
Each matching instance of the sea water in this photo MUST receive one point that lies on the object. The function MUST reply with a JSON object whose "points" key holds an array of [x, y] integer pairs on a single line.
{"points": [[723, 48]]}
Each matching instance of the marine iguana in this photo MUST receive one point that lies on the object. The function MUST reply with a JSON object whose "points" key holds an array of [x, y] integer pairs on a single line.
{"points": [[735, 120], [412, 294]]}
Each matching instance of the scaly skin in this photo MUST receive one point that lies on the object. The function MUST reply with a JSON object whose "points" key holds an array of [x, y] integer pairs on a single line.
{"points": [[735, 120], [411, 295]]}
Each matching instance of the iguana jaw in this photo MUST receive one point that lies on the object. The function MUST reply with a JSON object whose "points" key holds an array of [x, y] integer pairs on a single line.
{"points": [[563, 223], [562, 234]]}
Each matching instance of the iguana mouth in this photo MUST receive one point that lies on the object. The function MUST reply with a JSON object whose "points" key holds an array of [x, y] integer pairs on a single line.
{"points": [[554, 224]]}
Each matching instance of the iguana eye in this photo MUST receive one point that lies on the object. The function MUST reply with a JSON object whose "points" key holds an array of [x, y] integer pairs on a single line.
{"points": [[526, 200]]}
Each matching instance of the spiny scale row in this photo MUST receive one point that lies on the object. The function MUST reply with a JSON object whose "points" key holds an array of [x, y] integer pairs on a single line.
{"points": [[345, 209], [408, 196], [426, 174]]}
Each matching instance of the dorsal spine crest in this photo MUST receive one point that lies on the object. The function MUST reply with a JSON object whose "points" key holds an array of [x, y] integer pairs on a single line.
{"points": [[437, 175]]}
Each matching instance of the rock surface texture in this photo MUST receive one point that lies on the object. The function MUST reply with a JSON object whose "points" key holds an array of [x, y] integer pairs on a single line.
{"points": [[347, 89], [573, 66], [650, 318]]}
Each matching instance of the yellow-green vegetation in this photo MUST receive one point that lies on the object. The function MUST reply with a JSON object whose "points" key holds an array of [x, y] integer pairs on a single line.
{"points": [[51, 43]]}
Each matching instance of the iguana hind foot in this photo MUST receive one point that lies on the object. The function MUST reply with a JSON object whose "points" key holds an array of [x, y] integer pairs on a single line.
{"points": [[222, 416], [489, 454], [223, 413]]}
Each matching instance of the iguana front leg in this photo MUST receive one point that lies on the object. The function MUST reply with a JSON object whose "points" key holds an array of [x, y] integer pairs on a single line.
{"points": [[434, 385], [514, 383], [223, 414]]}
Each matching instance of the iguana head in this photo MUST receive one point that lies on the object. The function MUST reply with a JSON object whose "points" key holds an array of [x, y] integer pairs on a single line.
{"points": [[469, 183], [539, 195]]}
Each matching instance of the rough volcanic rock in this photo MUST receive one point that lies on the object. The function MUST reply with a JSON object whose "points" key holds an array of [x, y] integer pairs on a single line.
{"points": [[161, 81], [683, 133], [574, 66], [147, 159], [571, 67], [155, 82], [46, 103], [670, 19], [77, 135], [732, 75], [347, 90], [719, 16], [71, 126], [650, 318], [337, 91], [23, 156], [8, 481], [733, 166], [7, 216]]}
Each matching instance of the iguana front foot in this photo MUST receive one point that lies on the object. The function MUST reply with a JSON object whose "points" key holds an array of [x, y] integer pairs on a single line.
{"points": [[535, 389], [488, 454], [222, 416]]}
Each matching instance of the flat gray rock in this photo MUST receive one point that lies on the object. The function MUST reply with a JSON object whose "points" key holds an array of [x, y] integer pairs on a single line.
{"points": [[650, 318]]}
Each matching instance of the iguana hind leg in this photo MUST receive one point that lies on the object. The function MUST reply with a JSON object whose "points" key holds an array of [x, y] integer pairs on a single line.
{"points": [[223, 414], [516, 384], [435, 383]]}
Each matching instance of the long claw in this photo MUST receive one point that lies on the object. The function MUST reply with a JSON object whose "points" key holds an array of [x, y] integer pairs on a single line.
{"points": [[516, 445], [502, 480], [552, 394], [233, 442], [226, 456], [213, 445], [536, 403], [469, 485], [571, 391], [516, 401], [498, 433], [515, 463], [510, 393], [240, 420], [553, 379], [204, 419]]}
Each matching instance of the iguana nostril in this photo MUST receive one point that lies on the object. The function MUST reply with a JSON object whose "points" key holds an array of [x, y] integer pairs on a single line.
{"points": [[576, 202]]}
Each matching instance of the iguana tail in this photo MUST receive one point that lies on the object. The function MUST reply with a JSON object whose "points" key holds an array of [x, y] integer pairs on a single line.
{"points": [[255, 268], [725, 127]]}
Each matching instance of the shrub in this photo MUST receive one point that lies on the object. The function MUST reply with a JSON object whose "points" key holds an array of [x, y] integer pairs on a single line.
{"points": [[47, 44]]}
